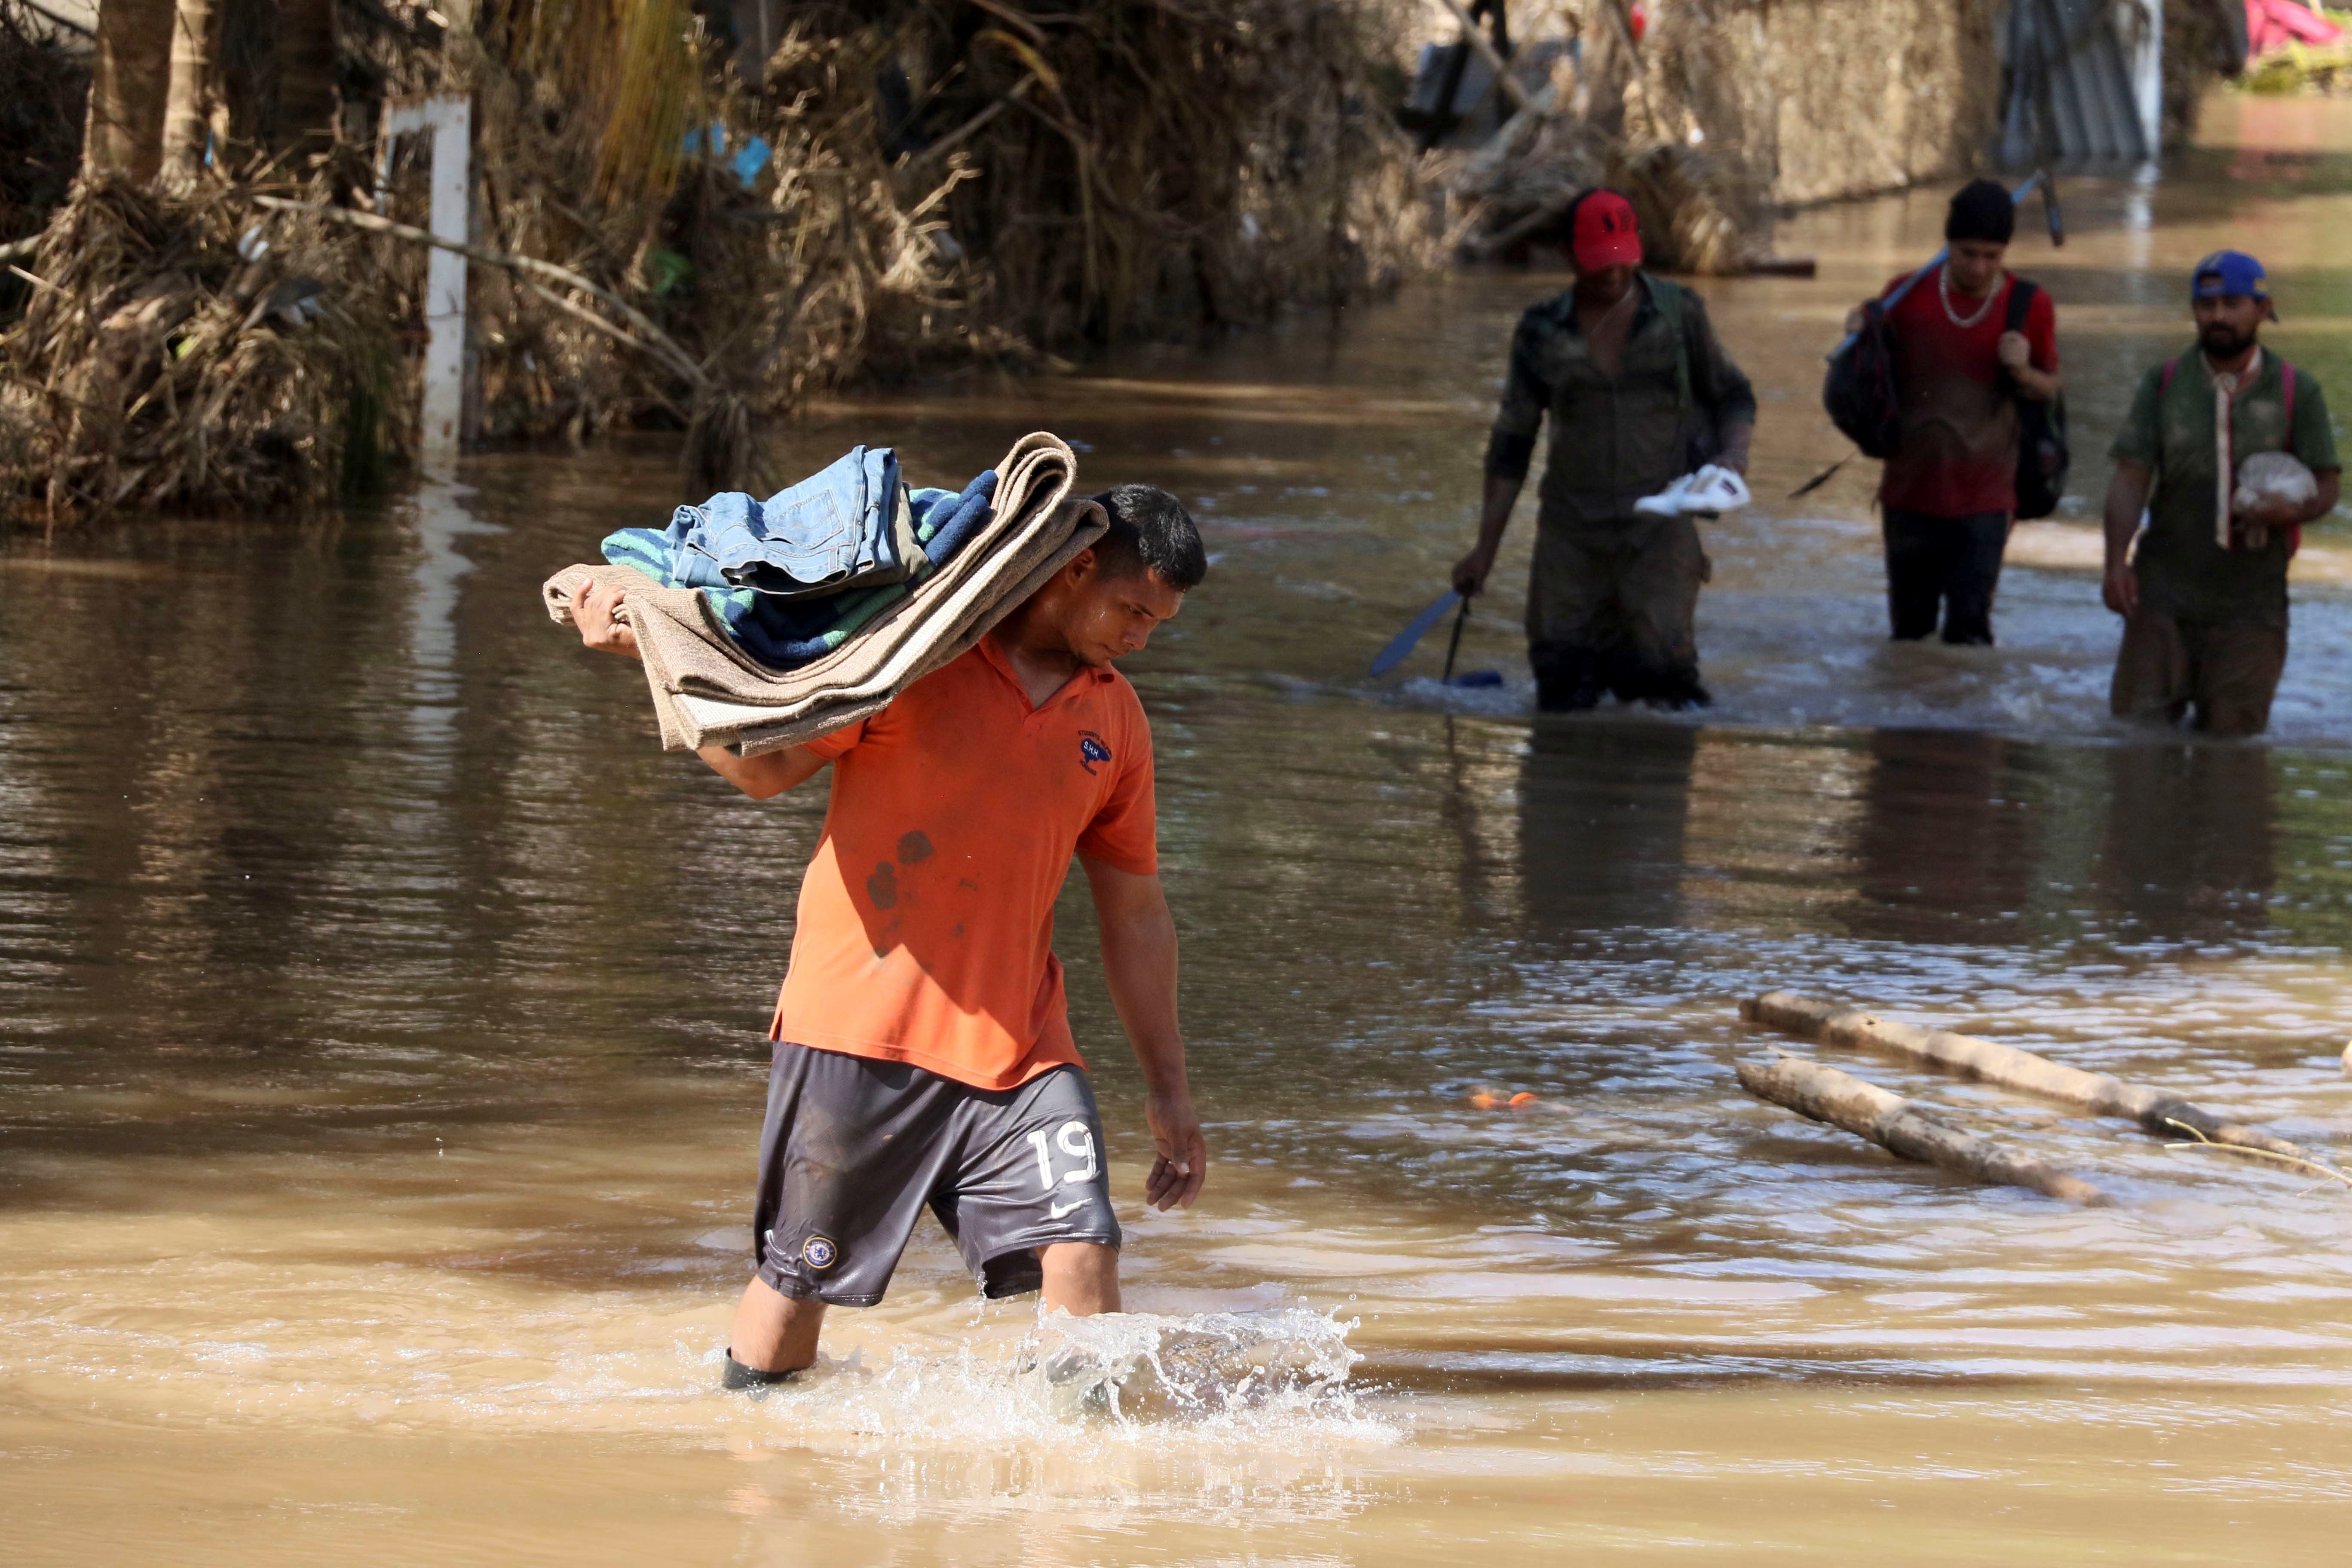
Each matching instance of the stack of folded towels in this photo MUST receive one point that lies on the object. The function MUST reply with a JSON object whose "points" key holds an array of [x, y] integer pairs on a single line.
{"points": [[766, 624]]}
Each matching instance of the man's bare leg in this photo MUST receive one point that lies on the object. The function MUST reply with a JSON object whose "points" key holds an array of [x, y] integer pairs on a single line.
{"points": [[776, 1333], [1081, 1277]]}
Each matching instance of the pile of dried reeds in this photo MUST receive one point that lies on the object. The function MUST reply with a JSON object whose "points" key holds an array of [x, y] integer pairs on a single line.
{"points": [[1145, 166], [1700, 211], [1063, 174], [946, 184], [180, 352]]}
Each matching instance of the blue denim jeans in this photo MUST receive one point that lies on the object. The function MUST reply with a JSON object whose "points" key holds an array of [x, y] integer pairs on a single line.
{"points": [[846, 527]]}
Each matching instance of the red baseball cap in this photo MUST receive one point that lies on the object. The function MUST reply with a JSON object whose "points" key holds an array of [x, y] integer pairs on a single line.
{"points": [[1606, 233]]}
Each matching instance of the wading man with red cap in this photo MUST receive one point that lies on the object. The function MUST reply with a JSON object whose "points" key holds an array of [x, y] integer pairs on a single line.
{"points": [[1640, 392], [2227, 453]]}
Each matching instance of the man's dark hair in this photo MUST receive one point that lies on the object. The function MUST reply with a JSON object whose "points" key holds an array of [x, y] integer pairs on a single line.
{"points": [[1150, 531], [1982, 210]]}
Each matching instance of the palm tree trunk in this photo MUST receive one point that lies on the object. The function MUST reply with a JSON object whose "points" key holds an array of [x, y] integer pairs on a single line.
{"points": [[123, 135], [306, 72], [187, 101]]}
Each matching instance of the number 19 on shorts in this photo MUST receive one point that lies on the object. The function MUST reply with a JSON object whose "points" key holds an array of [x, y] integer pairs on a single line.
{"points": [[1076, 1142]]}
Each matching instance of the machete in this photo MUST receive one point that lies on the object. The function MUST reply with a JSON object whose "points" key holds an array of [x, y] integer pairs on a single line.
{"points": [[1402, 643]]}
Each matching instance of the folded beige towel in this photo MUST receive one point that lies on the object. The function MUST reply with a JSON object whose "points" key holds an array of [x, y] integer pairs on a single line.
{"points": [[708, 691]]}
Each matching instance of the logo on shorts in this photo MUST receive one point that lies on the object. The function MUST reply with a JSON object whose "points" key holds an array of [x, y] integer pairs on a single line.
{"points": [[1091, 750], [819, 1252]]}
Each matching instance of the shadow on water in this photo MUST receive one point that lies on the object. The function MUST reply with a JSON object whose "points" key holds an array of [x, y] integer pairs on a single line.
{"points": [[1601, 815], [1942, 836], [2189, 852]]}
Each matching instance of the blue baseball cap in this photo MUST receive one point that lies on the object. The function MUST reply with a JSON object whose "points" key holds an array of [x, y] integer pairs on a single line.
{"points": [[2229, 272]]}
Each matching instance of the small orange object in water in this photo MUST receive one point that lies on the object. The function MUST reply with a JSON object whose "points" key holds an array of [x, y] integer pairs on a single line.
{"points": [[1484, 1101], [1522, 1097]]}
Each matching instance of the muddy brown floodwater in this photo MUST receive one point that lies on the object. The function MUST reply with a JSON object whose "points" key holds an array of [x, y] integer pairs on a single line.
{"points": [[380, 1012]]}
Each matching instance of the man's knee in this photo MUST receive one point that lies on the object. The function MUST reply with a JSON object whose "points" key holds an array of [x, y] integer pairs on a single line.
{"points": [[1080, 1277]]}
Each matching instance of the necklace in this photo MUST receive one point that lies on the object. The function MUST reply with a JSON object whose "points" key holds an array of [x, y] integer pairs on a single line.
{"points": [[1944, 290]]}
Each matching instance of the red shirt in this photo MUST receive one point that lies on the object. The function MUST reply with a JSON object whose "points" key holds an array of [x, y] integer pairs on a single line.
{"points": [[1958, 454], [926, 929]]}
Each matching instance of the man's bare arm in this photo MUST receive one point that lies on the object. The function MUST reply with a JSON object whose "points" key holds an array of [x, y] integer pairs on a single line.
{"points": [[1501, 495], [1736, 439], [1139, 949], [770, 773], [2126, 499]]}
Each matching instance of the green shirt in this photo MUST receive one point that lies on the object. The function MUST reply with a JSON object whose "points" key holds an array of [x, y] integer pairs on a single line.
{"points": [[1616, 440], [2182, 570]]}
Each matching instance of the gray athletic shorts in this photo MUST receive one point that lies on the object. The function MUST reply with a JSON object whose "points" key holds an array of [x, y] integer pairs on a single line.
{"points": [[854, 1147]]}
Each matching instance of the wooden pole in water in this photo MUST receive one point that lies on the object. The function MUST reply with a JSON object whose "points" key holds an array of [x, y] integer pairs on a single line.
{"points": [[1901, 1128], [2162, 1114]]}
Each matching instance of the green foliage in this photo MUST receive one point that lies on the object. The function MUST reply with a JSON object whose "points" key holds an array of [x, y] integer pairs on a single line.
{"points": [[2305, 67]]}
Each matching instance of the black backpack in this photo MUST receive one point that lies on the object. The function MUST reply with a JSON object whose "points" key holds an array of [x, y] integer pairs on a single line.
{"points": [[2041, 454], [1859, 390]]}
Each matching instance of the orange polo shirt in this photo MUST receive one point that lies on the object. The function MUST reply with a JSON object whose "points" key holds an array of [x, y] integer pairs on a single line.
{"points": [[926, 929]]}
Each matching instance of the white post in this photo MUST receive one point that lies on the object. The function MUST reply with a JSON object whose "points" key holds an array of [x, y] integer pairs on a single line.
{"points": [[449, 117], [2146, 54]]}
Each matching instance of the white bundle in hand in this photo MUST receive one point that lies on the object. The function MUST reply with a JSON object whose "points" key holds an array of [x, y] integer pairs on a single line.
{"points": [[1710, 492], [2272, 476]]}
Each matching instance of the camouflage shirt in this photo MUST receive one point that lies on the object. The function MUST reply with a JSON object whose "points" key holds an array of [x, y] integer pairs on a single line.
{"points": [[1615, 441]]}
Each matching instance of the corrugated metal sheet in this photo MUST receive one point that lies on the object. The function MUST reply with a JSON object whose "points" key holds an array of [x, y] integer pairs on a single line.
{"points": [[2085, 81]]}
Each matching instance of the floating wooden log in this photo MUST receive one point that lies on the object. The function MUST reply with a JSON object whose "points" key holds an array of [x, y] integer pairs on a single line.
{"points": [[2162, 1114], [1894, 1123]]}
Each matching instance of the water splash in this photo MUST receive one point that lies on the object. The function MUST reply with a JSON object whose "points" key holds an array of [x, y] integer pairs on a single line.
{"points": [[1275, 1380]]}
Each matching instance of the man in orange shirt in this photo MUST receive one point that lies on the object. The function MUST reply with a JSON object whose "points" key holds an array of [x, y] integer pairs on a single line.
{"points": [[922, 1043]]}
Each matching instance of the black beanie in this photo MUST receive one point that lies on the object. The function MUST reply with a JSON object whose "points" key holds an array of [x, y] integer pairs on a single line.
{"points": [[1982, 210]]}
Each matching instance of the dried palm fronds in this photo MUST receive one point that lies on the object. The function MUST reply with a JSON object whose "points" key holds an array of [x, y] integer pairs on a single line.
{"points": [[632, 68], [1158, 166], [160, 365], [1050, 176], [1700, 211]]}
